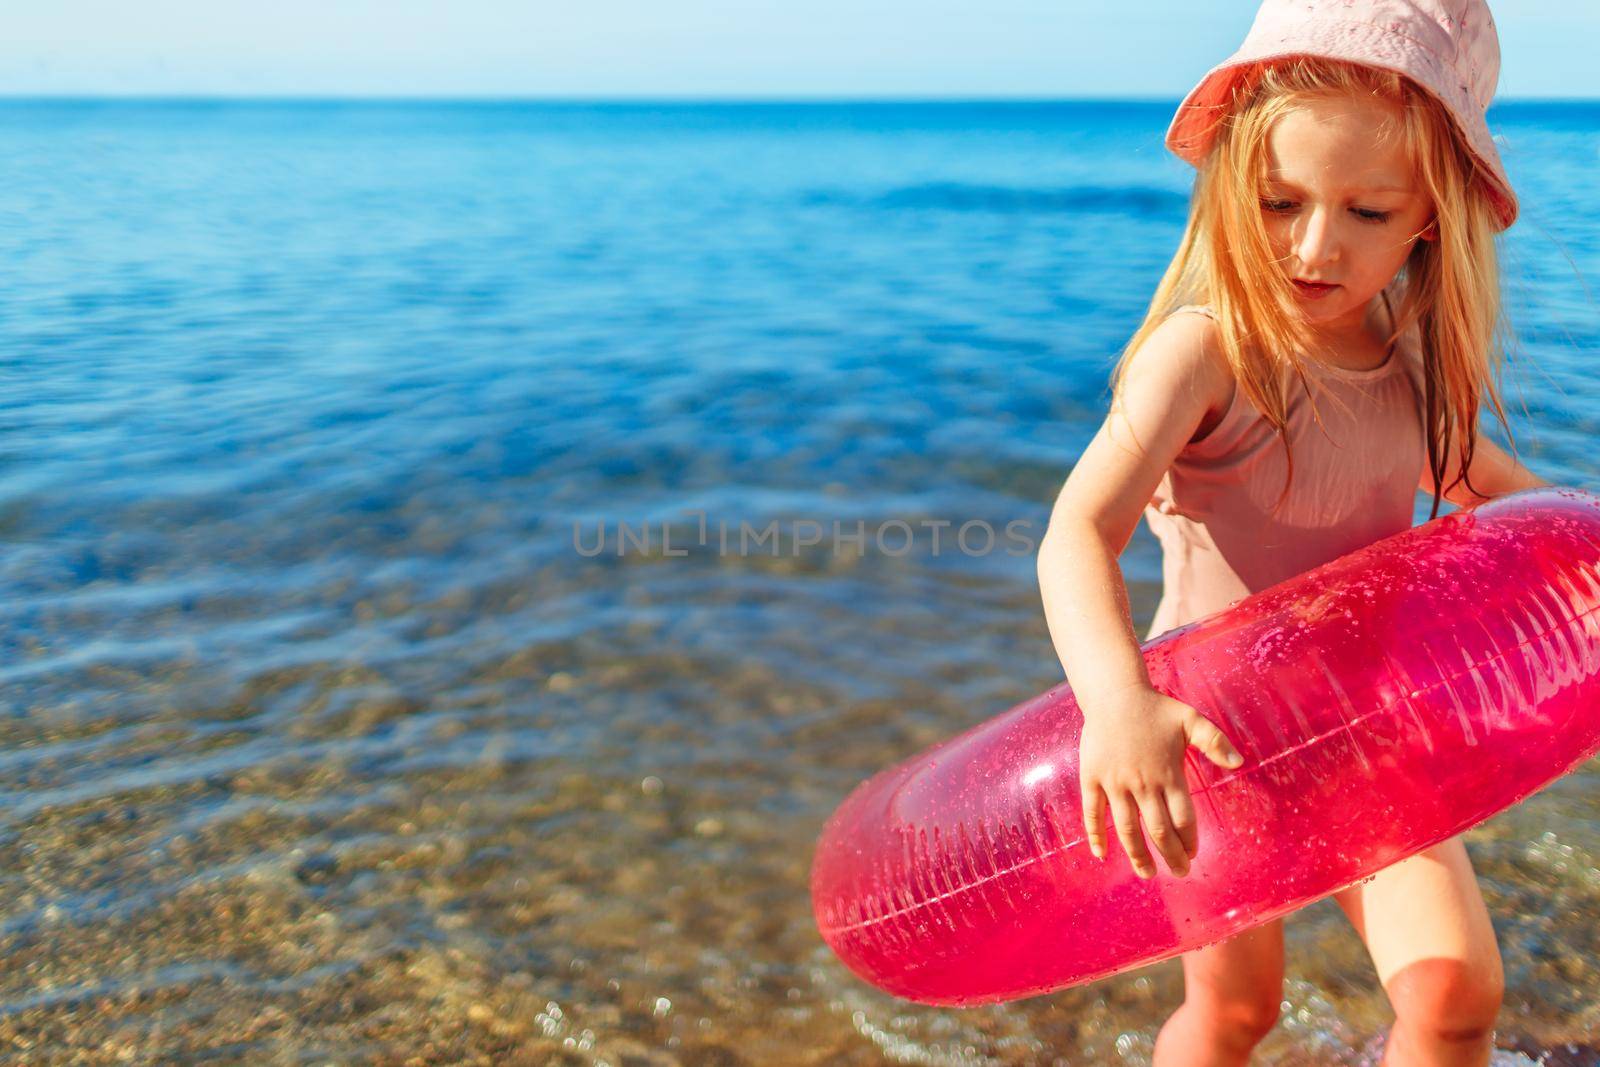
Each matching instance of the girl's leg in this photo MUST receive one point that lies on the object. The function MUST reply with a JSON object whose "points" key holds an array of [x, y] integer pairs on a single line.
{"points": [[1231, 994], [1428, 932]]}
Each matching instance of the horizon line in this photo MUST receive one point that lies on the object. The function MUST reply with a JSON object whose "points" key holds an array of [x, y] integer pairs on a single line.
{"points": [[639, 98]]}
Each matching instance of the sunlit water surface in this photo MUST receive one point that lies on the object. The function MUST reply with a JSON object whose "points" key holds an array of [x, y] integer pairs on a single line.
{"points": [[325, 741]]}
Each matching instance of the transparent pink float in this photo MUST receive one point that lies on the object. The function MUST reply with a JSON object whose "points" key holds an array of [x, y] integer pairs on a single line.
{"points": [[1383, 702]]}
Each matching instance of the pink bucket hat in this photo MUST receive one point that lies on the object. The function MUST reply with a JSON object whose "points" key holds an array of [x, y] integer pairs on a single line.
{"points": [[1449, 47]]}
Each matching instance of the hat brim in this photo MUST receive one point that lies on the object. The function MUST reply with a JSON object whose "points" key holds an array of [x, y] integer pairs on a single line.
{"points": [[1194, 126]]}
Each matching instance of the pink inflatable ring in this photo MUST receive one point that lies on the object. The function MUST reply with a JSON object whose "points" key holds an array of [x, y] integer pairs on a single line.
{"points": [[1383, 702]]}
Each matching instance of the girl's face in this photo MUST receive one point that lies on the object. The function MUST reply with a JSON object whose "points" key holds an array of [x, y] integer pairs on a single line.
{"points": [[1341, 207]]}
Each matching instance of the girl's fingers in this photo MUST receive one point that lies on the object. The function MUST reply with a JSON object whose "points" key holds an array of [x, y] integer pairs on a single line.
{"points": [[1094, 818], [1204, 735], [1181, 806], [1157, 823], [1127, 819]]}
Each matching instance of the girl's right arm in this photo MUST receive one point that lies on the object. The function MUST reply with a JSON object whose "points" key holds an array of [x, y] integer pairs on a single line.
{"points": [[1134, 737]]}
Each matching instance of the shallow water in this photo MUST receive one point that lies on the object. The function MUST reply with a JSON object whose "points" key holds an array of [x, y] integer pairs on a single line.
{"points": [[324, 740]]}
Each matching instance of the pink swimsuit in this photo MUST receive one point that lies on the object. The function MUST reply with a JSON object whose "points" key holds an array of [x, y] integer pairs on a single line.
{"points": [[1355, 481]]}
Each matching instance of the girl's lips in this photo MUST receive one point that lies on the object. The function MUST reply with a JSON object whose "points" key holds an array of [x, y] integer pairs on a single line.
{"points": [[1313, 289]]}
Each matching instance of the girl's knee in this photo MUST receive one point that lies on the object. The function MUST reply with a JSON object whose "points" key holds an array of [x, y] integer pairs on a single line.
{"points": [[1455, 1000], [1233, 990], [1247, 1020]]}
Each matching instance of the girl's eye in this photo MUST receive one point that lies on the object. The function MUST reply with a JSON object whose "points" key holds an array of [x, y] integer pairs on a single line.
{"points": [[1280, 206]]}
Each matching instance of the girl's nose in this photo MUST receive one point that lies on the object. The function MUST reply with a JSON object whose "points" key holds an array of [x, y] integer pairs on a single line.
{"points": [[1317, 243]]}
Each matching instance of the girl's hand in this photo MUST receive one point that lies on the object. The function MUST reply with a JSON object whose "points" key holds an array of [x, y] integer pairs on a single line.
{"points": [[1131, 753]]}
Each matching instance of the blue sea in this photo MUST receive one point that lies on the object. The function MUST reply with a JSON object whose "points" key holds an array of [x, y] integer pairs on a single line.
{"points": [[456, 555]]}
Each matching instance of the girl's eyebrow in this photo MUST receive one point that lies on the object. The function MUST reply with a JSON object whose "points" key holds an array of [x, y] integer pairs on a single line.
{"points": [[1386, 187]]}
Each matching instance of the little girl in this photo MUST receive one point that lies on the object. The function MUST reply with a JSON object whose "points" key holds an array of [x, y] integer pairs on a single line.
{"points": [[1340, 328]]}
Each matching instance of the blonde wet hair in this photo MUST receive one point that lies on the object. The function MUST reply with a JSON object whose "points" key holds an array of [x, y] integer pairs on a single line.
{"points": [[1449, 287]]}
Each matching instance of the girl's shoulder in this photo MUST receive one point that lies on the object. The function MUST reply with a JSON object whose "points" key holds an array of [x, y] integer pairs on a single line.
{"points": [[1408, 346], [1219, 380]]}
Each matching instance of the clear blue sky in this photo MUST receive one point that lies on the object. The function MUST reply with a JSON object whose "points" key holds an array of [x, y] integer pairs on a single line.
{"points": [[696, 48]]}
